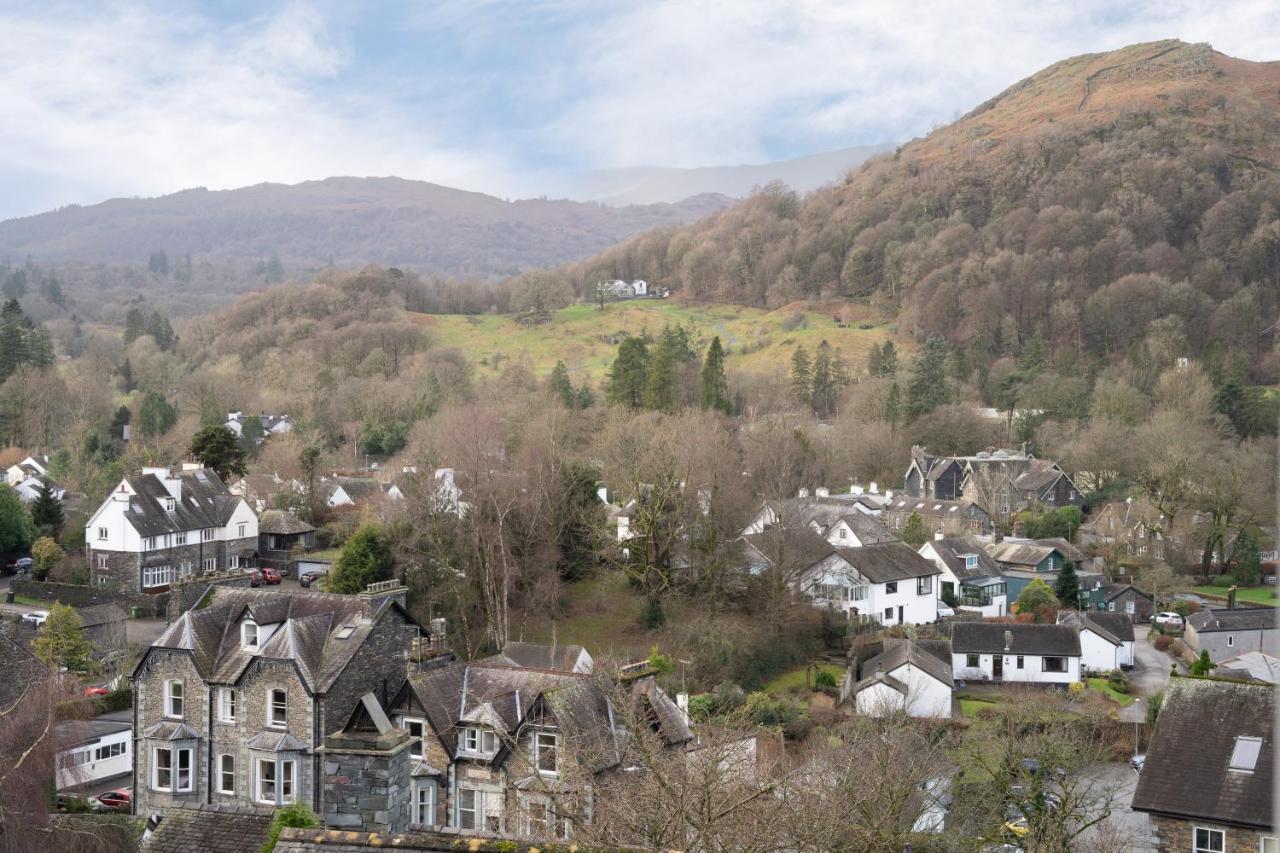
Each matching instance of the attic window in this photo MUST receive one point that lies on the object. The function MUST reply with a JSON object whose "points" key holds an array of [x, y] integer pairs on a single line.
{"points": [[170, 505], [1244, 757], [346, 631], [970, 561], [249, 635]]}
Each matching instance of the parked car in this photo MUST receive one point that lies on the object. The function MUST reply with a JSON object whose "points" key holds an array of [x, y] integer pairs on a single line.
{"points": [[23, 565], [90, 692], [118, 800], [255, 578], [270, 576], [1269, 580], [36, 617], [306, 579], [1168, 619], [1137, 762]]}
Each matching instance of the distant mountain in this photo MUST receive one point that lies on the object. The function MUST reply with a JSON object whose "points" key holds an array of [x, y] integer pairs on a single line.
{"points": [[343, 221], [656, 184]]}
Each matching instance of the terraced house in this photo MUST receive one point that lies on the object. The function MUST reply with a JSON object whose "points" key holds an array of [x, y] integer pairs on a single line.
{"points": [[233, 701], [160, 526]]}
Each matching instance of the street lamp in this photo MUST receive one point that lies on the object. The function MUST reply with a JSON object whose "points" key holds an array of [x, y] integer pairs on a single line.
{"points": [[1136, 722]]}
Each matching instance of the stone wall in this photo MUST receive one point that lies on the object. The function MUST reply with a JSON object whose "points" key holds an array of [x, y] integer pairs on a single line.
{"points": [[1175, 835], [366, 781], [183, 595], [379, 667], [84, 596]]}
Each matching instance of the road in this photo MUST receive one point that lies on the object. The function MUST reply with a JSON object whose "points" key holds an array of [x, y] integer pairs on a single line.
{"points": [[1150, 673], [1118, 781]]}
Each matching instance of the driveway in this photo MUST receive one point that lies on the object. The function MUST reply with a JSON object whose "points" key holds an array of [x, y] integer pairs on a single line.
{"points": [[1118, 781], [1150, 673]]}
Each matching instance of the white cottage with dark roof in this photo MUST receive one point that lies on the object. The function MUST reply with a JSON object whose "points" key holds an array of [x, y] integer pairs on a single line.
{"points": [[163, 525]]}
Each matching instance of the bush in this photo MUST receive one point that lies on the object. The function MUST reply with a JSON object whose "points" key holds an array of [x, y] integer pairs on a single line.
{"points": [[763, 710], [825, 679], [1177, 648], [652, 616], [298, 815], [702, 706], [1117, 682], [1163, 642], [1075, 688], [1223, 581]]}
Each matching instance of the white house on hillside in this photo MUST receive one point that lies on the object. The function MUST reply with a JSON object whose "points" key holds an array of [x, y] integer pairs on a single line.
{"points": [[992, 651], [902, 677], [1106, 639]]}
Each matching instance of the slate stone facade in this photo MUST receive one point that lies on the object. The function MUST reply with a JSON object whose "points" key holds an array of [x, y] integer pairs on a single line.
{"points": [[366, 781], [1175, 836]]}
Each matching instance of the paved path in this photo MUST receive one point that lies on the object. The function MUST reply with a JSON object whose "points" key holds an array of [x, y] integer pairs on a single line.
{"points": [[1150, 673]]}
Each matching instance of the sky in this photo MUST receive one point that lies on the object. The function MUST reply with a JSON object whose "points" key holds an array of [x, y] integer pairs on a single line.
{"points": [[515, 97]]}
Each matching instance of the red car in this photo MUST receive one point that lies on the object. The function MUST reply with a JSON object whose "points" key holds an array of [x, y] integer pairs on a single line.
{"points": [[96, 691], [270, 576], [118, 800]]}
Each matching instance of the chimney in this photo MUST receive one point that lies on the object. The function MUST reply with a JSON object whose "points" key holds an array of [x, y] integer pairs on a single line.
{"points": [[191, 466], [173, 483], [1231, 598], [875, 487], [375, 593], [856, 490], [156, 471], [682, 702], [1008, 641], [367, 755]]}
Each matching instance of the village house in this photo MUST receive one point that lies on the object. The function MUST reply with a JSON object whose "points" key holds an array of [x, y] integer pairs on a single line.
{"points": [[905, 677], [1131, 527], [1024, 560], [261, 490], [1106, 639], [270, 424], [846, 521], [161, 525], [1250, 666], [233, 701], [969, 580], [282, 538], [339, 491], [1037, 654], [1002, 482], [1128, 599], [1208, 776], [511, 744], [94, 750], [1226, 632], [29, 477], [940, 517]]}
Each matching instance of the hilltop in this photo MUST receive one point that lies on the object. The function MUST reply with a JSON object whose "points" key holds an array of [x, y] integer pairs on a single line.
{"points": [[341, 221], [1105, 198]]}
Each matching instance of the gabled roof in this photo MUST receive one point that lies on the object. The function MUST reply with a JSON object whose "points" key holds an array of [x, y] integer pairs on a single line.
{"points": [[1020, 553], [357, 488], [204, 502], [1039, 474], [1085, 622], [1119, 625], [1239, 619], [1014, 639], [821, 514], [310, 632], [952, 552], [221, 828], [1187, 772], [282, 523], [932, 508], [1258, 666], [1113, 591], [540, 656], [885, 563], [899, 653]]}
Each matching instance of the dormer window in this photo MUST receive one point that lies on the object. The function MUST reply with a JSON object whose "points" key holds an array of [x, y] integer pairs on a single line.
{"points": [[970, 561], [249, 635], [170, 505], [479, 741]]}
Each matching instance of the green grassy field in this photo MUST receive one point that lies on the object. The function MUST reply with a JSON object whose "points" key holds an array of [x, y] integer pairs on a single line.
{"points": [[1256, 594], [1101, 686], [971, 707], [795, 679], [586, 338]]}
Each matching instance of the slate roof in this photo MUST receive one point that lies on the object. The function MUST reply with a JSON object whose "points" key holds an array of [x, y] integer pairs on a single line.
{"points": [[205, 502], [1065, 548], [1239, 619], [891, 562], [899, 653], [281, 523], [310, 624], [1020, 553], [1038, 475], [1119, 625], [220, 828], [357, 488], [1022, 639], [100, 614], [825, 512], [1113, 591], [1187, 773], [19, 669], [71, 733], [952, 551], [540, 656], [931, 508], [1084, 621], [1259, 666]]}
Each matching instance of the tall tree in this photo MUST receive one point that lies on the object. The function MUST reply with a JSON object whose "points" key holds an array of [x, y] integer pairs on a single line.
{"points": [[217, 447], [366, 558], [715, 385], [579, 541], [1067, 587], [46, 511], [888, 360], [913, 531], [824, 382], [628, 375], [560, 386], [1035, 595], [661, 390], [875, 361], [16, 530], [155, 415], [1246, 561], [801, 374], [61, 640], [928, 387], [135, 325]]}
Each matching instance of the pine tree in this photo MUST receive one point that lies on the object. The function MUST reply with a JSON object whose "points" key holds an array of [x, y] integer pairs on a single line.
{"points": [[274, 270], [161, 332], [16, 530], [913, 531], [928, 387], [1202, 665], [560, 386], [1246, 561], [715, 385], [628, 374], [46, 511], [875, 361], [660, 391], [155, 415], [892, 405], [1067, 587], [216, 447], [801, 374], [823, 382], [126, 377], [365, 559], [888, 360], [135, 325]]}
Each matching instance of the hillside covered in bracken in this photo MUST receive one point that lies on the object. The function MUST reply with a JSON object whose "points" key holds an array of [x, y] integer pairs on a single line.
{"points": [[1110, 202]]}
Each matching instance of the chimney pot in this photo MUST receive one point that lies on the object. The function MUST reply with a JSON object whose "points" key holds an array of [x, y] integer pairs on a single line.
{"points": [[1008, 640]]}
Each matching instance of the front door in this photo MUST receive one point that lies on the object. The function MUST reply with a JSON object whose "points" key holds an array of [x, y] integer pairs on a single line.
{"points": [[997, 667], [899, 614]]}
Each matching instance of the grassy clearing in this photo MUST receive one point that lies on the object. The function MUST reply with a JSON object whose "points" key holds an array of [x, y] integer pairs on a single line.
{"points": [[602, 614], [795, 679], [970, 707], [1100, 685], [1254, 594], [586, 338]]}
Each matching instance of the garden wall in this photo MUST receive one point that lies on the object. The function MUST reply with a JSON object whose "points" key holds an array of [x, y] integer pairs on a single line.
{"points": [[85, 596]]}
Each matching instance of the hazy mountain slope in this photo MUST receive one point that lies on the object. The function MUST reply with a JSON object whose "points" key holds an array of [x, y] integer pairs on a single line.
{"points": [[1105, 199], [342, 221], [654, 184]]}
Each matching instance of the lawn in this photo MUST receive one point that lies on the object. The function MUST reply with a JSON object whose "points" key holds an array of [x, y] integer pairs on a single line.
{"points": [[971, 707], [1100, 685], [31, 602], [586, 338], [1253, 594], [795, 679]]}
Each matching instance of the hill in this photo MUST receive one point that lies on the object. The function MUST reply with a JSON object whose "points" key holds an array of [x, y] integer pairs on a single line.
{"points": [[340, 221], [1110, 201], [654, 184]]}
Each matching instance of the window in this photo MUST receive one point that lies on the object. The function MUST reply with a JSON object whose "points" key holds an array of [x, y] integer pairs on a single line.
{"points": [[233, 562], [163, 777], [972, 661], [206, 535], [1268, 845], [226, 774], [858, 593], [179, 539], [249, 635], [111, 750], [227, 704], [1231, 640], [277, 706], [240, 530], [149, 543], [173, 699], [470, 806], [424, 805], [157, 575], [1128, 607], [924, 585], [102, 562], [102, 533], [170, 505], [415, 729], [891, 587], [1111, 607], [208, 564], [545, 753], [844, 534], [1244, 757], [184, 770], [888, 614], [1208, 840], [1053, 664], [1019, 661], [970, 561], [286, 782], [266, 781], [480, 741]]}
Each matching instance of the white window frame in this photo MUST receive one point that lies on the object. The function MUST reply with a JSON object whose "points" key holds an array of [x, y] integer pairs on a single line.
{"points": [[858, 593], [206, 535], [233, 562], [179, 539], [153, 576], [476, 811], [271, 708], [226, 704], [424, 807], [1066, 664], [259, 778], [174, 769], [971, 561], [156, 784], [209, 564], [1268, 844], [102, 562], [1129, 607], [555, 753], [245, 632], [924, 585], [223, 773], [1195, 839], [103, 533], [419, 749], [169, 705], [241, 530]]}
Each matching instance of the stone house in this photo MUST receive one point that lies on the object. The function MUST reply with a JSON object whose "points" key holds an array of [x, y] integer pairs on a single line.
{"points": [[940, 517], [970, 579], [1128, 599], [233, 701], [1207, 781], [161, 525], [505, 748], [282, 536], [1002, 482]]}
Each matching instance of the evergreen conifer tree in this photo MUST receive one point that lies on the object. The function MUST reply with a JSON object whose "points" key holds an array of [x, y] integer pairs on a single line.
{"points": [[628, 374], [928, 387], [560, 386], [46, 511], [801, 374], [661, 393], [715, 385], [1067, 587]]}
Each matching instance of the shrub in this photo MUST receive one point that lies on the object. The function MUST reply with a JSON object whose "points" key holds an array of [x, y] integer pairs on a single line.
{"points": [[763, 710], [1223, 581], [299, 815], [1163, 642], [1116, 680], [652, 616], [825, 679], [702, 706], [1075, 688]]}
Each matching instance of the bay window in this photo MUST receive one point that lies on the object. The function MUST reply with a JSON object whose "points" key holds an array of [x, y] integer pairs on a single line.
{"points": [[171, 769], [275, 781]]}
